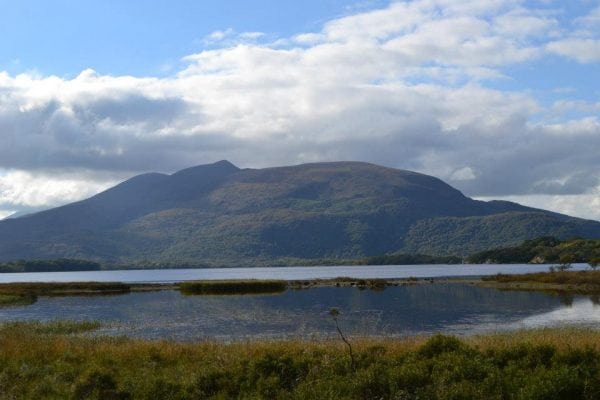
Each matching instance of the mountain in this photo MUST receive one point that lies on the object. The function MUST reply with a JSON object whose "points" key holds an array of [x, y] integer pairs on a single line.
{"points": [[218, 214]]}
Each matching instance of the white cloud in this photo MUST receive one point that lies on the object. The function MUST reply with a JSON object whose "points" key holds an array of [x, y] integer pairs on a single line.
{"points": [[586, 205], [591, 20], [582, 50], [6, 213], [582, 44], [403, 86], [463, 174], [22, 188], [217, 36]]}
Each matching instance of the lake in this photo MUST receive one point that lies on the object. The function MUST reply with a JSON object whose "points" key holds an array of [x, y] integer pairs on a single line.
{"points": [[405, 310], [286, 273]]}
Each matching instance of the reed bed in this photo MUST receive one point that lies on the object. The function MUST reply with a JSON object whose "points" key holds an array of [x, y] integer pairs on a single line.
{"points": [[229, 287]]}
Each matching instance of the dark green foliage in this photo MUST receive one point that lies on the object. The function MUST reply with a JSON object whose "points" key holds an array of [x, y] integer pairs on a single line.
{"points": [[543, 250], [412, 259], [232, 287], [62, 264], [220, 215], [98, 385], [7, 300], [440, 344]]}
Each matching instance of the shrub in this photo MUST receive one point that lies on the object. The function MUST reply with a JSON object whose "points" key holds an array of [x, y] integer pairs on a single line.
{"points": [[439, 344], [98, 385]]}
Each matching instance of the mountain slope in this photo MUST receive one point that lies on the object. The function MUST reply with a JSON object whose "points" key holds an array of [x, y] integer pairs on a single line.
{"points": [[218, 214]]}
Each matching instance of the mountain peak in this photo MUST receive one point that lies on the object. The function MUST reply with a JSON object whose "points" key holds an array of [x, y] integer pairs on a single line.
{"points": [[219, 167], [218, 214]]}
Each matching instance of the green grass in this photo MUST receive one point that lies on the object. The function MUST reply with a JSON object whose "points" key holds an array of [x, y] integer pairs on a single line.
{"points": [[7, 300], [224, 287], [49, 328], [582, 282], [559, 277], [44, 363], [63, 289]]}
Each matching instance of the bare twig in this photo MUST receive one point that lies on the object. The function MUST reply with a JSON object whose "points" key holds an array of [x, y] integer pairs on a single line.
{"points": [[334, 312]]}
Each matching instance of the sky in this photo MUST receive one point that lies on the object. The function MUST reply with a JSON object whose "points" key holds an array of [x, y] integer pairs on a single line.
{"points": [[499, 98]]}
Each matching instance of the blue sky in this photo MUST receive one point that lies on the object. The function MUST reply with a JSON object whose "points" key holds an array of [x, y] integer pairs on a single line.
{"points": [[499, 98], [64, 37]]}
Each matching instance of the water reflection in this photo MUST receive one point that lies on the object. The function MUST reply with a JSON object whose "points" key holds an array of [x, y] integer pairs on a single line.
{"points": [[395, 311], [582, 311]]}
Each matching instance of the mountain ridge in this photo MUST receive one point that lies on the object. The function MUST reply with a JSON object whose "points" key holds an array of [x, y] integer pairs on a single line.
{"points": [[219, 214]]}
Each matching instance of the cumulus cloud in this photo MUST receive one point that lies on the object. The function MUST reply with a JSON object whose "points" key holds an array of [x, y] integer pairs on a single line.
{"points": [[405, 86], [583, 43]]}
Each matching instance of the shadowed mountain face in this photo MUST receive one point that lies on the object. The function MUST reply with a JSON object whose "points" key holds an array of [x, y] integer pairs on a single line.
{"points": [[218, 214]]}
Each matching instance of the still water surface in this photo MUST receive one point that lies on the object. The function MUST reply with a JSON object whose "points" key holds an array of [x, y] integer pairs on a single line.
{"points": [[286, 273], [453, 308]]}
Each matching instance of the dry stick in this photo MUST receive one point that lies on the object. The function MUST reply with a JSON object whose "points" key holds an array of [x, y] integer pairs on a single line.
{"points": [[334, 312]]}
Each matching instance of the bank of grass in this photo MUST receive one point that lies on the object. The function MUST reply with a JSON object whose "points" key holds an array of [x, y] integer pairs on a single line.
{"points": [[56, 327], [63, 289], [583, 282], [21, 294], [46, 363], [9, 300], [228, 287]]}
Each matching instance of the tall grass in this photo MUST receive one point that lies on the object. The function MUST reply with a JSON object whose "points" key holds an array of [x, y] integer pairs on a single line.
{"points": [[223, 287], [38, 363]]}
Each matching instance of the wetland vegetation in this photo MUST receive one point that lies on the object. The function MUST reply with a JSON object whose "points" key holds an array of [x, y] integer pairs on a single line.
{"points": [[224, 287], [15, 294], [580, 282], [59, 361]]}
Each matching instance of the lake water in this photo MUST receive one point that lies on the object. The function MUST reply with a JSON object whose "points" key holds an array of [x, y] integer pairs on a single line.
{"points": [[454, 308], [286, 273]]}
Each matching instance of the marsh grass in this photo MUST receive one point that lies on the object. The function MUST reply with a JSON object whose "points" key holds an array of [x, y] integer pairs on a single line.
{"points": [[8, 300], [49, 328], [38, 362], [229, 287], [583, 282], [63, 289], [559, 277]]}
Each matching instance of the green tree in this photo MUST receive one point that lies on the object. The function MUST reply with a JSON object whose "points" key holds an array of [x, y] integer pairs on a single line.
{"points": [[565, 262]]}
